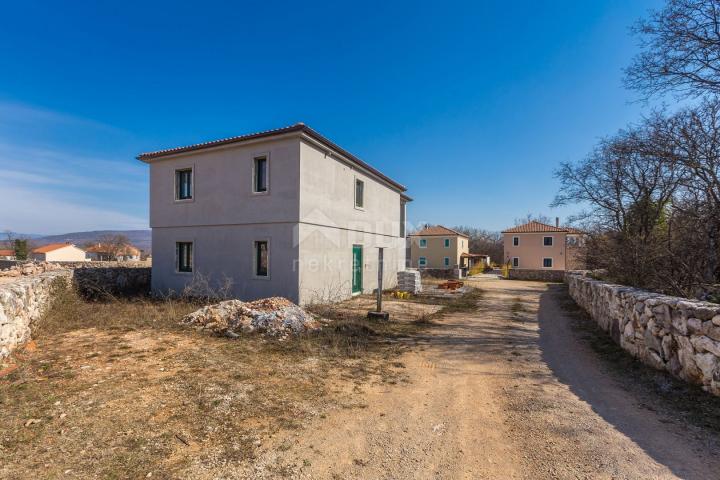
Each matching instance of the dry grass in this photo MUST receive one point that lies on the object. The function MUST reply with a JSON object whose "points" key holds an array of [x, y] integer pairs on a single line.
{"points": [[117, 389]]}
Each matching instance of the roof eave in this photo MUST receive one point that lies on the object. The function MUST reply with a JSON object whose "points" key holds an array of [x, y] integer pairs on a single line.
{"points": [[299, 128]]}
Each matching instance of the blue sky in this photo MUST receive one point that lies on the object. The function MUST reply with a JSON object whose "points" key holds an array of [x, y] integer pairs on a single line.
{"points": [[471, 104]]}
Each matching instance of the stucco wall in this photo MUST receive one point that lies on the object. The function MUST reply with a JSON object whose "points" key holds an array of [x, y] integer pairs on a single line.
{"points": [[222, 184], [673, 334], [327, 196], [326, 262], [226, 252], [69, 253], [531, 250], [330, 225], [435, 252]]}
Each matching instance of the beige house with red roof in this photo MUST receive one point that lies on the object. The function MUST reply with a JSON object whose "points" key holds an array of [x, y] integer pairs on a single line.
{"points": [[539, 246], [7, 254], [58, 252], [438, 247]]}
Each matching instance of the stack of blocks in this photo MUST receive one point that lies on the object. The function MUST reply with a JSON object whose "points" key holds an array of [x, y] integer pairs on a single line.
{"points": [[409, 281]]}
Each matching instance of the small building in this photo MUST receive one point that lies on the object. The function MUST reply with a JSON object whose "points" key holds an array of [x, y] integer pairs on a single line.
{"points": [[7, 254], [284, 212], [470, 260], [58, 252], [536, 246], [437, 247]]}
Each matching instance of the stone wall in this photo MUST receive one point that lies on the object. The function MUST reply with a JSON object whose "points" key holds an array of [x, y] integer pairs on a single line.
{"points": [[539, 275], [7, 263], [451, 273], [95, 281], [22, 304], [23, 299], [678, 335]]}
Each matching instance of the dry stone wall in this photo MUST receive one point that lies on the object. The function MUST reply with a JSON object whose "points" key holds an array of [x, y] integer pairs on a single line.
{"points": [[94, 282], [539, 275], [24, 298], [678, 335], [22, 304]]}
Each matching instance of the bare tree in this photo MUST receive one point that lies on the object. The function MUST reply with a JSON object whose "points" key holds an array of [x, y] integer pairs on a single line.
{"points": [[532, 217], [680, 50], [115, 244], [653, 191], [630, 182], [484, 242]]}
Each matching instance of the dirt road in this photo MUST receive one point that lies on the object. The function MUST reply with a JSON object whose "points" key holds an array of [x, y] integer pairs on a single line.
{"points": [[506, 392]]}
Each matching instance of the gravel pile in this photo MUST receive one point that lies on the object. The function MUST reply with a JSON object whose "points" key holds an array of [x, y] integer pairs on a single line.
{"points": [[275, 316]]}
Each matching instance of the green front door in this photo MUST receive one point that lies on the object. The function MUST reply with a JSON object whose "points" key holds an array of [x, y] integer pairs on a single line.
{"points": [[357, 268]]}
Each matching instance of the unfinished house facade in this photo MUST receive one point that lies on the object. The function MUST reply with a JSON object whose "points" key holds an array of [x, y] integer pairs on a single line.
{"points": [[284, 213]]}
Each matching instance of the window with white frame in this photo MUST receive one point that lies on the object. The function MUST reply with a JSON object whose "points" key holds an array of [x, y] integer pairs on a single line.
{"points": [[446, 242], [547, 262], [260, 174], [423, 243], [184, 257], [516, 241], [446, 261], [548, 241], [261, 259], [422, 262], [515, 262], [184, 184], [359, 193]]}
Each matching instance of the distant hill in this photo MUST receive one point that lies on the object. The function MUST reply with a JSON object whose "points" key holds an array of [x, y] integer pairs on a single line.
{"points": [[140, 238]]}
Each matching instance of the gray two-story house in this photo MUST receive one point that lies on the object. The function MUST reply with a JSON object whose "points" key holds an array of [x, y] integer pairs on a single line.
{"points": [[284, 212]]}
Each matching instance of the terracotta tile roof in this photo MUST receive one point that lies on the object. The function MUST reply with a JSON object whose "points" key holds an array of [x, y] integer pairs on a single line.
{"points": [[437, 230], [297, 128], [98, 248], [51, 247], [537, 227], [7, 253], [127, 250]]}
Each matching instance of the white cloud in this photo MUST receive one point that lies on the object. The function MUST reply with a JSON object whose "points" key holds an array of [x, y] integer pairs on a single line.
{"points": [[17, 113], [28, 210], [62, 173]]}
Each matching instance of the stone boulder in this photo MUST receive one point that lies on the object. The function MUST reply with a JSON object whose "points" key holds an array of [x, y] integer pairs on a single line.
{"points": [[275, 316]]}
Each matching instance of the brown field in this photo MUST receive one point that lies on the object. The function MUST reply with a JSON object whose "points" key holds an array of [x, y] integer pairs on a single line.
{"points": [[117, 389]]}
